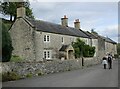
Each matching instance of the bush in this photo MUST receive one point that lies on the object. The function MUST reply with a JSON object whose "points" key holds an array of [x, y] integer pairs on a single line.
{"points": [[16, 58], [116, 56], [29, 75], [10, 76], [40, 73], [81, 49], [91, 51]]}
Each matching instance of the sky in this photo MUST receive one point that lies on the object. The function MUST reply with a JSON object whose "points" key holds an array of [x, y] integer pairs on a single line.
{"points": [[100, 16]]}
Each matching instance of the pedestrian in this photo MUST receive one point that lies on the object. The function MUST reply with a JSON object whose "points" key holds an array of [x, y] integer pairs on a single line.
{"points": [[109, 61], [104, 62]]}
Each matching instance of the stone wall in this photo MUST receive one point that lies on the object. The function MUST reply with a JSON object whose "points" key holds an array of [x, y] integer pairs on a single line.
{"points": [[22, 35], [25, 68], [110, 48]]}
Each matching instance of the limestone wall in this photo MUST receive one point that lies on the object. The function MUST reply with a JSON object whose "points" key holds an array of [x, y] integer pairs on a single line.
{"points": [[110, 48], [22, 40], [36, 68]]}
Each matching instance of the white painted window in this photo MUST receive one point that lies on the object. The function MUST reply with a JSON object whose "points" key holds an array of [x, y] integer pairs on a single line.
{"points": [[62, 40], [47, 54], [46, 38]]}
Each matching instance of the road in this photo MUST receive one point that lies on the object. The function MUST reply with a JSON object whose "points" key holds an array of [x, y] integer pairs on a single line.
{"points": [[94, 76]]}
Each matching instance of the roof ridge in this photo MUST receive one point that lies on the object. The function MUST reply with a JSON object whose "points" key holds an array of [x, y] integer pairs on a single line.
{"points": [[46, 26]]}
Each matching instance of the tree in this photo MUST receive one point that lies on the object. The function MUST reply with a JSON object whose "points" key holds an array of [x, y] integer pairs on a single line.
{"points": [[10, 8], [83, 50], [78, 47], [91, 51], [6, 44], [93, 31]]}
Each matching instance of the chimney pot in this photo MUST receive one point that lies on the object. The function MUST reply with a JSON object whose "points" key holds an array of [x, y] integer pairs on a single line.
{"points": [[65, 16], [64, 21], [77, 20], [77, 24]]}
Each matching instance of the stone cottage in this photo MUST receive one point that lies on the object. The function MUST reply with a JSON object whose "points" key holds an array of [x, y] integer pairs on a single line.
{"points": [[110, 46], [105, 45], [93, 41], [38, 40]]}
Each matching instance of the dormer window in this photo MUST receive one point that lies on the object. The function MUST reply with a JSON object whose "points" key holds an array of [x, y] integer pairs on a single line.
{"points": [[46, 38]]}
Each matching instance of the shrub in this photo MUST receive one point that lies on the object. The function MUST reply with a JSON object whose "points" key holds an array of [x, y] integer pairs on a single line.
{"points": [[40, 73], [116, 56], [16, 58], [81, 49], [29, 75], [69, 69], [10, 76]]}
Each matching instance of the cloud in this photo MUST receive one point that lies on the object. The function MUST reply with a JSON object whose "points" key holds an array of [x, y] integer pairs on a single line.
{"points": [[110, 31], [73, 0], [102, 16]]}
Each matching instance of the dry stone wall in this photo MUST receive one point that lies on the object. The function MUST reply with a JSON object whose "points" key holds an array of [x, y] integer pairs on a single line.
{"points": [[38, 68]]}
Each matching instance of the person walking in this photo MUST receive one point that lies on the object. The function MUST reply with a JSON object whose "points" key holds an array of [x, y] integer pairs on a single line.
{"points": [[104, 62], [109, 61]]}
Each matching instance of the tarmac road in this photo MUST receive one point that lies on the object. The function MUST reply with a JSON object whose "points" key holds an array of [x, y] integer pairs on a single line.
{"points": [[94, 76]]}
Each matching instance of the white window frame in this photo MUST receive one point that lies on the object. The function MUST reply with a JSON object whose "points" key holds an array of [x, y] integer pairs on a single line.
{"points": [[48, 54], [46, 38]]}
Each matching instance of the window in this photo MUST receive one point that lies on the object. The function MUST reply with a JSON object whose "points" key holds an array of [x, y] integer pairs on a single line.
{"points": [[46, 38], [62, 40], [47, 54]]}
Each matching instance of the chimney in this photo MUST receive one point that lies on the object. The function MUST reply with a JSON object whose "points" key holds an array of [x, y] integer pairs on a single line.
{"points": [[64, 21], [21, 10], [77, 24]]}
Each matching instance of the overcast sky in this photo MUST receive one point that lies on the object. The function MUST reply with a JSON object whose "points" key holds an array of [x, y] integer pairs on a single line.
{"points": [[102, 16]]}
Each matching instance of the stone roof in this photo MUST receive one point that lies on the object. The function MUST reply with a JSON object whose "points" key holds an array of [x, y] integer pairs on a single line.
{"points": [[109, 40], [90, 35], [105, 38], [59, 29], [45, 26], [63, 48]]}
